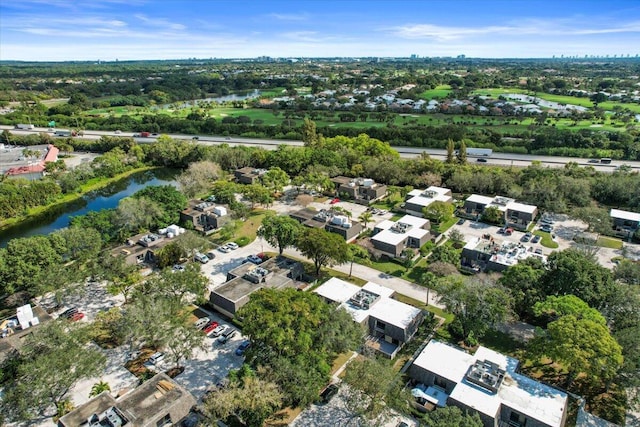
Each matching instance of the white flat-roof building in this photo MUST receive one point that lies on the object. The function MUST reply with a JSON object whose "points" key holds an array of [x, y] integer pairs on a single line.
{"points": [[488, 383], [625, 223], [516, 215], [417, 200], [392, 237], [493, 255], [390, 323]]}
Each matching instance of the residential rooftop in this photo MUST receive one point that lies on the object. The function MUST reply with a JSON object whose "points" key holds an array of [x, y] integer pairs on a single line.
{"points": [[501, 252], [502, 203], [426, 197], [626, 215], [394, 232]]}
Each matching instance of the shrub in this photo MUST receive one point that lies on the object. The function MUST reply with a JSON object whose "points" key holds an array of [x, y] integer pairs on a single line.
{"points": [[243, 241]]}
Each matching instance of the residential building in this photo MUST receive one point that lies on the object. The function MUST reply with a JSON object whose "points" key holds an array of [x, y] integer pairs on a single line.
{"points": [[159, 401], [242, 281], [488, 383], [392, 237], [488, 254], [363, 191], [205, 217], [625, 223], [416, 200], [249, 175], [388, 323], [331, 221], [141, 248], [516, 215]]}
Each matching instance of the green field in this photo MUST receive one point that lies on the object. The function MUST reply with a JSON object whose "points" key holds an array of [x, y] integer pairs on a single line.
{"points": [[439, 92]]}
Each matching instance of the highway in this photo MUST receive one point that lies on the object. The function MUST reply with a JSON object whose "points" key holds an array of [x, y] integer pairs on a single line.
{"points": [[499, 159]]}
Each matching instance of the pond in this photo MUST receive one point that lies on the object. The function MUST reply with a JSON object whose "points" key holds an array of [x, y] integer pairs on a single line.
{"points": [[104, 198]]}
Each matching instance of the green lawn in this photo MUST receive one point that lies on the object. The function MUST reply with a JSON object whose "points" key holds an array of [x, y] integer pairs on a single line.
{"points": [[441, 91], [443, 227], [546, 241], [609, 242], [389, 267]]}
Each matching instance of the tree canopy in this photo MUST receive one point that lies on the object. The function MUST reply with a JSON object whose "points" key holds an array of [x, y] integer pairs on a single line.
{"points": [[280, 231], [322, 247]]}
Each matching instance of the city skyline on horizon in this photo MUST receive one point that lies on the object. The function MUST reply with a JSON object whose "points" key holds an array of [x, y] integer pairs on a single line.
{"points": [[109, 30]]}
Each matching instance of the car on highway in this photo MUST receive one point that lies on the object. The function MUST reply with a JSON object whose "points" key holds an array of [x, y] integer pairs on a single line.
{"points": [[594, 161], [233, 246], [481, 160], [211, 326], [242, 348], [228, 138], [195, 138], [327, 394]]}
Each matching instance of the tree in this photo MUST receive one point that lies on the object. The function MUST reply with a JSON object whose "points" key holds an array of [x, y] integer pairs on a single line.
{"points": [[253, 400], [477, 302], [445, 253], [198, 177], [80, 244], [275, 179], [627, 271], [256, 193], [578, 339], [53, 358], [357, 253], [309, 134], [451, 416], [597, 219], [176, 286], [168, 255], [492, 215], [138, 214], [523, 282], [456, 236], [365, 218], [322, 247], [438, 211], [451, 151], [373, 385], [99, 387], [462, 153], [574, 272], [280, 231], [170, 200], [184, 340]]}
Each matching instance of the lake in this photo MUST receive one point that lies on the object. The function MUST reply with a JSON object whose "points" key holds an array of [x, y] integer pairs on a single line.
{"points": [[105, 198]]}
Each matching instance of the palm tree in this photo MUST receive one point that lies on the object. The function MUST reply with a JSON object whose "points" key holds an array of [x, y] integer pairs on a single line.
{"points": [[365, 218], [99, 387]]}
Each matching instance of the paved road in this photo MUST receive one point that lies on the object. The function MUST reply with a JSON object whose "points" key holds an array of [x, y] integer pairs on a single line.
{"points": [[503, 159]]}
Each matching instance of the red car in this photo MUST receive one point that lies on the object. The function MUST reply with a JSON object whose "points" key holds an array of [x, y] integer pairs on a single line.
{"points": [[208, 330], [334, 201], [76, 316]]}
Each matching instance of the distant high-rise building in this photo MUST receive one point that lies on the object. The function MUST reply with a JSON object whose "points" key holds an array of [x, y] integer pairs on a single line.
{"points": [[414, 56], [461, 56]]}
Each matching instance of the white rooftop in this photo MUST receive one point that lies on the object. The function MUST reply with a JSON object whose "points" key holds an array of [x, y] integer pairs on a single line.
{"points": [[502, 203], [337, 290], [426, 197], [385, 308], [525, 395], [626, 215], [394, 237], [521, 207]]}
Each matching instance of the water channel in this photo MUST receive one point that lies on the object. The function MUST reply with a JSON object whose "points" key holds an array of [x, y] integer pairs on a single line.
{"points": [[104, 198]]}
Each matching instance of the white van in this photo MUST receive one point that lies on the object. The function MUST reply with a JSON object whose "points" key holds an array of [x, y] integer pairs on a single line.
{"points": [[201, 258], [156, 358]]}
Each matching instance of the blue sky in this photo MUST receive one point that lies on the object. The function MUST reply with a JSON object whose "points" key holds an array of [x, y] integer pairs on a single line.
{"points": [[165, 29]]}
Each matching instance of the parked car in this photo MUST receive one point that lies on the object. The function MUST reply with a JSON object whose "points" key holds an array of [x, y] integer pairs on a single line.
{"points": [[546, 228], [219, 330], [211, 255], [226, 335], [461, 221], [527, 237], [242, 348], [334, 201], [254, 259], [133, 355], [178, 267], [233, 246], [402, 424], [535, 239], [224, 249], [327, 394], [69, 312], [508, 231], [202, 322], [201, 258], [156, 358], [211, 326], [77, 316], [538, 251]]}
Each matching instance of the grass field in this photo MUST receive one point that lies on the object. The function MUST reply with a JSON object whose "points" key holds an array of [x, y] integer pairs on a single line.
{"points": [[546, 240], [440, 92], [608, 242]]}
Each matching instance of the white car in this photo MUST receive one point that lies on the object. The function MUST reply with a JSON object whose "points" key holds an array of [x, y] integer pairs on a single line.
{"points": [[155, 359], [202, 322], [224, 249], [254, 259], [232, 245], [219, 330]]}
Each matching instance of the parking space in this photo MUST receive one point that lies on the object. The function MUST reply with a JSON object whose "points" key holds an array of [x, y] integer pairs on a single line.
{"points": [[216, 269]]}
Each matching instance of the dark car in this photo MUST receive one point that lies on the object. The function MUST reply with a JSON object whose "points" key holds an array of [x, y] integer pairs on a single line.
{"points": [[328, 393], [482, 160], [461, 221], [69, 312], [535, 239], [402, 424], [196, 138], [242, 348]]}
